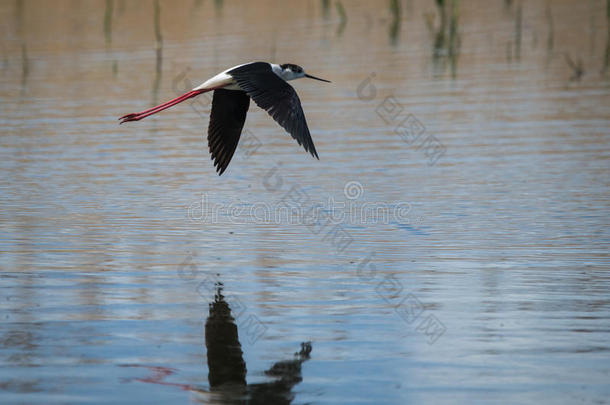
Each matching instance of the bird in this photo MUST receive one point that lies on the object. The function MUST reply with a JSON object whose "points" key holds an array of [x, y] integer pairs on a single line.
{"points": [[265, 83]]}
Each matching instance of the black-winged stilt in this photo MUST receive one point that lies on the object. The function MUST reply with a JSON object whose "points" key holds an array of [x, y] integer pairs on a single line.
{"points": [[266, 83]]}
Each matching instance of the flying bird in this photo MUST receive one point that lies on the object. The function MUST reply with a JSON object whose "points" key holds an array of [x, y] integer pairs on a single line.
{"points": [[266, 84]]}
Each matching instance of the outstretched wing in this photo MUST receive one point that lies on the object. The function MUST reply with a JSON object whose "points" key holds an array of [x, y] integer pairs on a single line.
{"points": [[278, 98], [229, 108]]}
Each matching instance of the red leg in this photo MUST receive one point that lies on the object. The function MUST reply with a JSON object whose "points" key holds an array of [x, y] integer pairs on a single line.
{"points": [[143, 114]]}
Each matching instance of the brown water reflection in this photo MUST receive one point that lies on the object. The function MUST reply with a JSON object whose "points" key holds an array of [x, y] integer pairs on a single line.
{"points": [[505, 240]]}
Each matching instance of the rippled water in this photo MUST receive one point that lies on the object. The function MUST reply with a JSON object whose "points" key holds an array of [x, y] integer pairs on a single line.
{"points": [[465, 166]]}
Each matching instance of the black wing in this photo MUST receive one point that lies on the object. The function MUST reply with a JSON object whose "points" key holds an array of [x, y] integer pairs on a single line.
{"points": [[229, 108], [278, 98]]}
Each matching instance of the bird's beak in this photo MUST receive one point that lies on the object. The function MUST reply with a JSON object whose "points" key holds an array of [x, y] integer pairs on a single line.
{"points": [[317, 78]]}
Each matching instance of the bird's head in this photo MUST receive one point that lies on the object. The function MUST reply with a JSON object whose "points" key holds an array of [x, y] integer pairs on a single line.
{"points": [[291, 72]]}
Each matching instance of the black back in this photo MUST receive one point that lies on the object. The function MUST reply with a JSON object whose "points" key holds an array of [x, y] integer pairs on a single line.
{"points": [[274, 95]]}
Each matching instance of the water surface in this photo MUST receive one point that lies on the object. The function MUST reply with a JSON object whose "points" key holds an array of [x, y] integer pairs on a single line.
{"points": [[465, 164]]}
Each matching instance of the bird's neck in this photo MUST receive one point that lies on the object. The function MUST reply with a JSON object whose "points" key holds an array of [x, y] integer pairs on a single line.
{"points": [[277, 69]]}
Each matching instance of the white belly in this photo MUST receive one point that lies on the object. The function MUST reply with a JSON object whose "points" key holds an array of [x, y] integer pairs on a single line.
{"points": [[221, 81]]}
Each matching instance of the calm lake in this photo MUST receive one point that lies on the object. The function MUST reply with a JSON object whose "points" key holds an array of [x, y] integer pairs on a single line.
{"points": [[451, 245]]}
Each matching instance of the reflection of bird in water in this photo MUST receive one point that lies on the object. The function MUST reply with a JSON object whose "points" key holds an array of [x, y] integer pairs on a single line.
{"points": [[287, 374], [225, 360], [227, 369]]}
